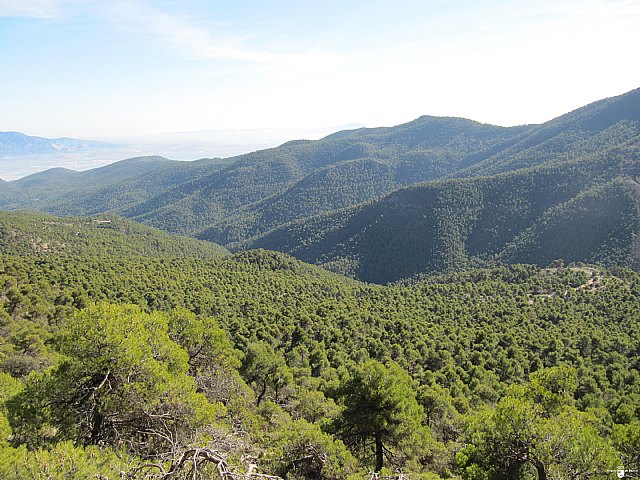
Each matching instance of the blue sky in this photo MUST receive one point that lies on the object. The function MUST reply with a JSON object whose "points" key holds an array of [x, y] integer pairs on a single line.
{"points": [[114, 68]]}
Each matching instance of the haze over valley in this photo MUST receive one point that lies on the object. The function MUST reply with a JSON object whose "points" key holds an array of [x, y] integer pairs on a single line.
{"points": [[22, 155]]}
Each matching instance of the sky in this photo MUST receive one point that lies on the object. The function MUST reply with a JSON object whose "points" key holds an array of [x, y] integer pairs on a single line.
{"points": [[105, 69]]}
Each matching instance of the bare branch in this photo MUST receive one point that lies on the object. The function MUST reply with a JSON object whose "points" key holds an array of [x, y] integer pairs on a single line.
{"points": [[191, 461]]}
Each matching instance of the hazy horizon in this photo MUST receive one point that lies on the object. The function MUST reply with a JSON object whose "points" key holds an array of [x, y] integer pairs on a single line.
{"points": [[181, 146]]}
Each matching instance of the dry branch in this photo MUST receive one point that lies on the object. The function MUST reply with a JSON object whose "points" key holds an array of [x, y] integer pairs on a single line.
{"points": [[192, 461]]}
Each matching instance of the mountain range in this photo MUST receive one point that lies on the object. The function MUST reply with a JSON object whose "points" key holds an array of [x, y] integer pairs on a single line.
{"points": [[382, 204], [14, 144]]}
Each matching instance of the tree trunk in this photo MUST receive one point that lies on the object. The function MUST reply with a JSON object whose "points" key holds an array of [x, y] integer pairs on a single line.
{"points": [[379, 453], [542, 473], [264, 390], [96, 427]]}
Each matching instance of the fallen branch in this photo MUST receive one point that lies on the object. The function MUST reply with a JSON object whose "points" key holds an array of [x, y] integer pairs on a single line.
{"points": [[192, 460]]}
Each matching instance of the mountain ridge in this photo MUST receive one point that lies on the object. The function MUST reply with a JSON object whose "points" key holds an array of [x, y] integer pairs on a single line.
{"points": [[256, 198], [456, 218]]}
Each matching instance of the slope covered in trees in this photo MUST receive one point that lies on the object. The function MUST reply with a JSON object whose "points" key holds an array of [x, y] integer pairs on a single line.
{"points": [[593, 128], [144, 364], [580, 210], [103, 189], [32, 233], [325, 190]]}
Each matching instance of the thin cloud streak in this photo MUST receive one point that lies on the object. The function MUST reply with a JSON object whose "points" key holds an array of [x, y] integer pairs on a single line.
{"points": [[179, 32], [190, 40]]}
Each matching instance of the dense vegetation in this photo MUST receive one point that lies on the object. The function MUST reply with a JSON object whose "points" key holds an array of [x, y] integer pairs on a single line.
{"points": [[114, 359], [34, 233], [583, 210]]}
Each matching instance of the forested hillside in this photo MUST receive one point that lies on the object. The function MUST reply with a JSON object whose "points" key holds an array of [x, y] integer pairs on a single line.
{"points": [[185, 197], [103, 189], [585, 210], [536, 193], [325, 190], [32, 233], [115, 362], [593, 128]]}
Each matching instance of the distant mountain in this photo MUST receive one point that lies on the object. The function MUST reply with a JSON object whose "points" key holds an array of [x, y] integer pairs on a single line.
{"points": [[45, 189], [325, 201], [257, 177], [14, 144]]}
